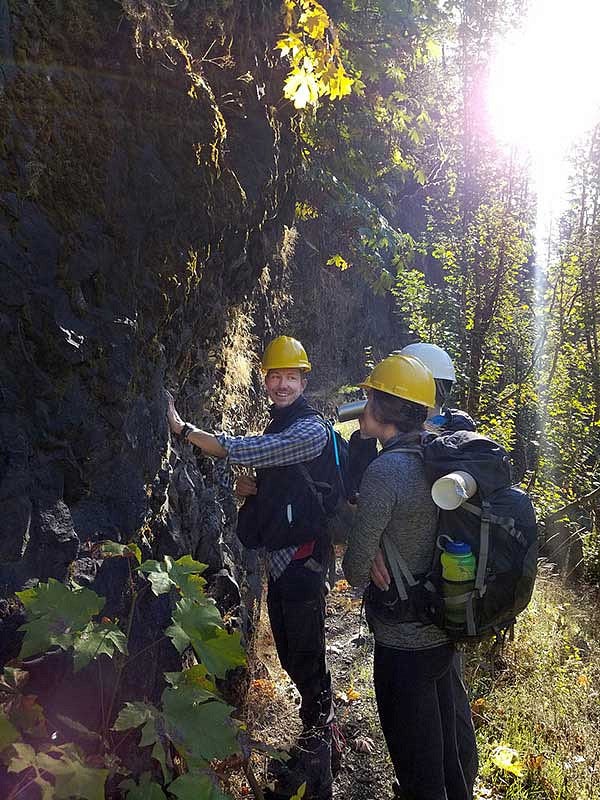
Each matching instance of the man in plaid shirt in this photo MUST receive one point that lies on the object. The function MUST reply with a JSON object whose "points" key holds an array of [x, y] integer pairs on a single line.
{"points": [[279, 514]]}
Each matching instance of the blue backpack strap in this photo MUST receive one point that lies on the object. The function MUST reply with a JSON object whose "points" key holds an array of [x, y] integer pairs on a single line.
{"points": [[336, 456]]}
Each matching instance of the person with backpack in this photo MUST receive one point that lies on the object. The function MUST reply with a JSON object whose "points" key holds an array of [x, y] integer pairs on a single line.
{"points": [[416, 694], [283, 513]]}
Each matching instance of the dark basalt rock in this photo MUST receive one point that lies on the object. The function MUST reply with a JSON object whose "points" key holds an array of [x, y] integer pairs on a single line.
{"points": [[135, 223]]}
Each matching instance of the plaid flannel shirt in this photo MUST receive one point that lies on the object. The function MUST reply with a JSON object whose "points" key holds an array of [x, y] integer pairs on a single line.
{"points": [[302, 441]]}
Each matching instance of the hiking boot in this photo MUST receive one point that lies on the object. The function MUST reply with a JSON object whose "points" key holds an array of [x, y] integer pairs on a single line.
{"points": [[310, 763]]}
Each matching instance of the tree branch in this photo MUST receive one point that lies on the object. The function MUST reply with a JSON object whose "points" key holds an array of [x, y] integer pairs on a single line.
{"points": [[578, 503]]}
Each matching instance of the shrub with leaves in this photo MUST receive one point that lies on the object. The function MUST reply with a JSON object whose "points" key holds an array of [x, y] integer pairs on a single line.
{"points": [[190, 728]]}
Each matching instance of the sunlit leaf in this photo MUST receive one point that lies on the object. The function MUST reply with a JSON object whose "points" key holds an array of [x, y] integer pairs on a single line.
{"points": [[55, 614], [507, 759], [200, 625], [301, 88], [338, 261], [131, 550]]}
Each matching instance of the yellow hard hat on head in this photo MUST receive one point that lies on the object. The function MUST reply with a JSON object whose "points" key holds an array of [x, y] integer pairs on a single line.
{"points": [[284, 352], [405, 377]]}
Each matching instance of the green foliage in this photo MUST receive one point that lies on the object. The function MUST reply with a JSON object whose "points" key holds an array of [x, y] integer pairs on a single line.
{"points": [[192, 716], [195, 786], [198, 624], [8, 732], [543, 704], [300, 793], [59, 616], [183, 574], [66, 765], [134, 715], [130, 550], [146, 789], [200, 728]]}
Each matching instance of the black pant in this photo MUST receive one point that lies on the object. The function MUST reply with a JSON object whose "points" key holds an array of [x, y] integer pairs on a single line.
{"points": [[296, 605], [431, 746]]}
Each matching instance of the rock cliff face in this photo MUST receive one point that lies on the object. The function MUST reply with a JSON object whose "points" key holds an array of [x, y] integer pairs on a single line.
{"points": [[147, 176], [146, 169]]}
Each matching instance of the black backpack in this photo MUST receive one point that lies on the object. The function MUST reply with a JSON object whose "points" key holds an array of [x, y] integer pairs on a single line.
{"points": [[500, 526], [330, 482]]}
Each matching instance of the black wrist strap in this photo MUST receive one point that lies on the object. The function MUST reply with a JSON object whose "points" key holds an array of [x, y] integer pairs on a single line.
{"points": [[185, 431]]}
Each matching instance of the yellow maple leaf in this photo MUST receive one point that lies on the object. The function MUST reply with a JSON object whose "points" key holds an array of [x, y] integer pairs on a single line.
{"points": [[301, 88], [583, 680], [338, 82], [288, 12], [507, 759], [290, 44], [314, 21], [338, 261]]}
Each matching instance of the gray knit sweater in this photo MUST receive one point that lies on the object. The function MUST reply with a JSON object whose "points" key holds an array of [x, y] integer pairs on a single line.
{"points": [[394, 497]]}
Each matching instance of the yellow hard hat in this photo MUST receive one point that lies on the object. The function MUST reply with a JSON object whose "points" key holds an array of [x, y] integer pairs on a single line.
{"points": [[405, 377], [285, 353]]}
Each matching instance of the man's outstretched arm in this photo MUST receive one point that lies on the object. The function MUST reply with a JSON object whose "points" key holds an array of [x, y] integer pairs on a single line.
{"points": [[207, 442]]}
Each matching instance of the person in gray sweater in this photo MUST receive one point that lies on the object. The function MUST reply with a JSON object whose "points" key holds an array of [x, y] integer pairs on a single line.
{"points": [[416, 694]]}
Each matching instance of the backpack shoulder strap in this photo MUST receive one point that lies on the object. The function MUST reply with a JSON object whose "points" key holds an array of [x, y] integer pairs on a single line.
{"points": [[313, 485], [416, 450], [400, 570]]}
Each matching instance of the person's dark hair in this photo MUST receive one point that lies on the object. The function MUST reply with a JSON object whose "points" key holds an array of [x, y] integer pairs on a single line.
{"points": [[443, 389], [404, 414]]}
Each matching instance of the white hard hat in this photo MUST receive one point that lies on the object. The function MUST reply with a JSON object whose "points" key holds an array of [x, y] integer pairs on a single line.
{"points": [[438, 360]]}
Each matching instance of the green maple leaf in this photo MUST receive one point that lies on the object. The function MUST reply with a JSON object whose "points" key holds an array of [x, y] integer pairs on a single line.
{"points": [[8, 732], [134, 715], [196, 787], [200, 729], [147, 789], [72, 777], [95, 640], [183, 574], [55, 614], [200, 625], [158, 575], [109, 548], [221, 652], [196, 676]]}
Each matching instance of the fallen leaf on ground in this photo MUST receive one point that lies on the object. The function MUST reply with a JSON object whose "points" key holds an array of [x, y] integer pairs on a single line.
{"points": [[534, 763], [341, 586], [352, 694], [478, 706], [507, 759], [362, 744]]}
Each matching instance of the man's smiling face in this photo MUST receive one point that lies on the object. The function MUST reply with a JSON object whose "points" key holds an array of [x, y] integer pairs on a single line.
{"points": [[284, 386]]}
